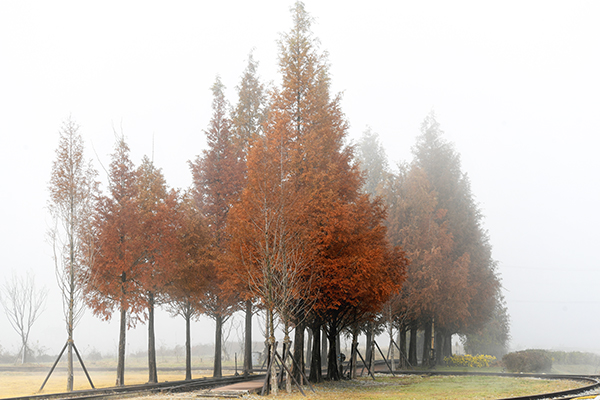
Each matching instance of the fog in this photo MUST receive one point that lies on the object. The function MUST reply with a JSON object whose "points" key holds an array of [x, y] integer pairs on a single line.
{"points": [[515, 86]]}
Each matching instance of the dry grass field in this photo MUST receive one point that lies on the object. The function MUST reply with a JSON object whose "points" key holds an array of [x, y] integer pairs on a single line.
{"points": [[16, 380]]}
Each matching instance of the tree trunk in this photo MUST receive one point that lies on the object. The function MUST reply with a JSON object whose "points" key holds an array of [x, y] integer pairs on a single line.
{"points": [[440, 345], [402, 344], [448, 345], [324, 345], [70, 316], [333, 372], [152, 374], [298, 364], [121, 355], [217, 370], [353, 349], [427, 345], [392, 352], [248, 340], [273, 349], [316, 374], [412, 349], [309, 342], [188, 345], [369, 345]]}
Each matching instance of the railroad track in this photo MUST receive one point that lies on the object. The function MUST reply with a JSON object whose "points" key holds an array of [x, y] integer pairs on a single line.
{"points": [[592, 384], [144, 389]]}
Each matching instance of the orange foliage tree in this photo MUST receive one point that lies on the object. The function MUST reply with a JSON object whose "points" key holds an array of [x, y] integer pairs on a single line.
{"points": [[247, 119], [113, 280], [302, 214], [218, 179], [436, 288], [73, 191], [185, 290], [160, 217], [441, 163]]}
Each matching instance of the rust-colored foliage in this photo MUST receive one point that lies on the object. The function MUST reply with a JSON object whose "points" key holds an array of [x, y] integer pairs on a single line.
{"points": [[218, 180], [302, 218], [113, 281]]}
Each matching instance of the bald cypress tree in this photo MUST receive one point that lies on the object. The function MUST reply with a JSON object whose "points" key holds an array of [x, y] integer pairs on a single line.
{"points": [[441, 162]]}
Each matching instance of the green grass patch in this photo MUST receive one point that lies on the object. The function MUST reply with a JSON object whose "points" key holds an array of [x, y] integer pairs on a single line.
{"points": [[415, 387]]}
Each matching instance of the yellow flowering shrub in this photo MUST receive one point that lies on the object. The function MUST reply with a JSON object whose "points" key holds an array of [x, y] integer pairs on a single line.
{"points": [[467, 360]]}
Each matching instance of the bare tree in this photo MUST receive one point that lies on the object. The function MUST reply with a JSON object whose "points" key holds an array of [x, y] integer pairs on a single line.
{"points": [[23, 304], [73, 189]]}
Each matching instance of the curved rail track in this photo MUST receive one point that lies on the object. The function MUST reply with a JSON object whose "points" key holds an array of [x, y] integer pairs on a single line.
{"points": [[143, 389], [592, 384]]}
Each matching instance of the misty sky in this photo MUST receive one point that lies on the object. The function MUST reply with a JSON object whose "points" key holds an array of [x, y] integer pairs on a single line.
{"points": [[515, 86]]}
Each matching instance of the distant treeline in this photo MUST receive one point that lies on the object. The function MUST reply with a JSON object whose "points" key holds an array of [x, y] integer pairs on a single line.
{"points": [[574, 358]]}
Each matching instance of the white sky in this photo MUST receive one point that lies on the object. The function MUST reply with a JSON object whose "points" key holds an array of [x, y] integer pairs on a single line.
{"points": [[515, 86]]}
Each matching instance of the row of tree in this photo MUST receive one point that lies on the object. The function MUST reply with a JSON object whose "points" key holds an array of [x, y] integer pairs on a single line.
{"points": [[281, 216], [452, 286]]}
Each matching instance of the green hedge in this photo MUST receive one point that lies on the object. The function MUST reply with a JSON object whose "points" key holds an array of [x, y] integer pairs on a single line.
{"points": [[528, 361], [467, 360]]}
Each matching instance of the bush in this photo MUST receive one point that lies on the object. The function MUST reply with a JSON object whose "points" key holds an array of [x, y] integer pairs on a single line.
{"points": [[467, 360], [528, 361]]}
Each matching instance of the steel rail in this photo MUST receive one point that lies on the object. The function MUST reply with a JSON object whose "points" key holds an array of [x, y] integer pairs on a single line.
{"points": [[593, 382], [119, 391]]}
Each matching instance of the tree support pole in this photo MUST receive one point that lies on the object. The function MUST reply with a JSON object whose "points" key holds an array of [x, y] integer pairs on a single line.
{"points": [[402, 354], [365, 364], [384, 359], [302, 372], [54, 366], [268, 375], [290, 373], [83, 366]]}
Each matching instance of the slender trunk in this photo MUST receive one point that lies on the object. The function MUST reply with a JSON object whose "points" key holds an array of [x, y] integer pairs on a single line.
{"points": [[427, 345], [316, 374], [448, 345], [23, 354], [152, 374], [217, 370], [412, 349], [273, 349], [70, 317], [121, 355], [298, 365], [309, 340], [353, 351], [248, 340], [440, 344], [392, 348], [188, 345], [370, 344], [333, 373], [286, 360], [402, 344], [324, 346]]}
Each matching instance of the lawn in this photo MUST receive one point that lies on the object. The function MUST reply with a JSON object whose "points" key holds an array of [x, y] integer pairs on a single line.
{"points": [[416, 387]]}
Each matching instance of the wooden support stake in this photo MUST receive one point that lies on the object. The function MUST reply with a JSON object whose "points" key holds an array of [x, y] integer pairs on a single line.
{"points": [[365, 364], [54, 366], [384, 359], [302, 372], [266, 383], [83, 366], [290, 373]]}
